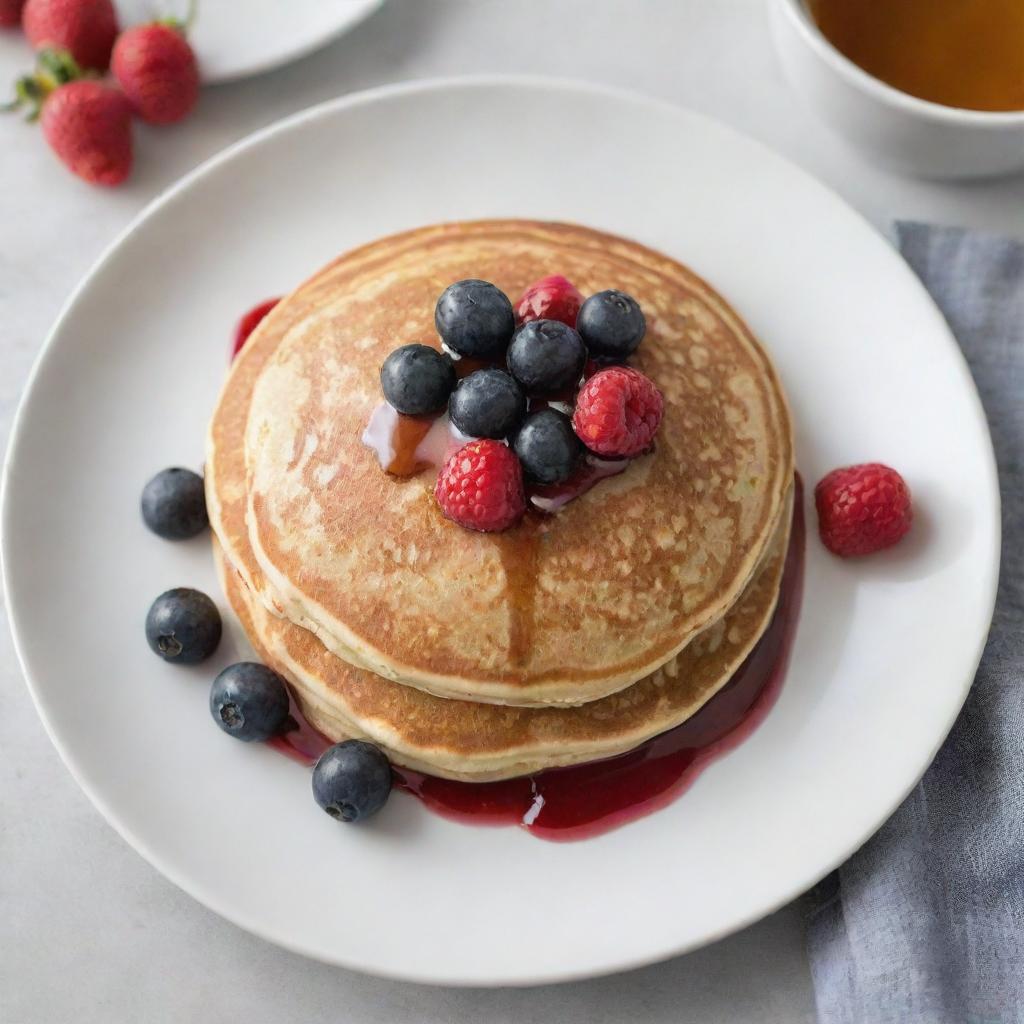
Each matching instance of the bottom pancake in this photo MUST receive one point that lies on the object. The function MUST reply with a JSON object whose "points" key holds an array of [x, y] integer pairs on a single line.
{"points": [[477, 742]]}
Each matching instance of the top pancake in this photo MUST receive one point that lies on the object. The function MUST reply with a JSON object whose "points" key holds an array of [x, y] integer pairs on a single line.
{"points": [[564, 609], [466, 740]]}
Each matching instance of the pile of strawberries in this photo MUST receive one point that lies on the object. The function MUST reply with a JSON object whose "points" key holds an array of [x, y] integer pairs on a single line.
{"points": [[87, 117]]}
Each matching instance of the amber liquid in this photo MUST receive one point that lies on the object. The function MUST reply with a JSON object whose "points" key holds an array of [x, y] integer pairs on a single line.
{"points": [[961, 53]]}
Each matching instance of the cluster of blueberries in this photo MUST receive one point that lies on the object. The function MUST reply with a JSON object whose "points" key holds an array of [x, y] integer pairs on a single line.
{"points": [[542, 359], [351, 780]]}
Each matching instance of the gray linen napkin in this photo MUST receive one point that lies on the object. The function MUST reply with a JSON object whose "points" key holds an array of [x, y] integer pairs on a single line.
{"points": [[925, 924]]}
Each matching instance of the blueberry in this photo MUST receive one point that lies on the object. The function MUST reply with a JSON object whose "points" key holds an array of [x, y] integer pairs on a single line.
{"points": [[183, 626], [352, 780], [546, 356], [611, 324], [417, 379], [475, 319], [548, 447], [249, 701], [487, 403], [174, 505]]}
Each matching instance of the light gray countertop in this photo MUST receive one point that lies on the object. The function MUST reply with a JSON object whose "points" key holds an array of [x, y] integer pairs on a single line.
{"points": [[88, 931]]}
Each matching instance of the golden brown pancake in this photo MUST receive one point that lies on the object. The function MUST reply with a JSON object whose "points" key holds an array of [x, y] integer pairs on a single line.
{"points": [[479, 742], [562, 610]]}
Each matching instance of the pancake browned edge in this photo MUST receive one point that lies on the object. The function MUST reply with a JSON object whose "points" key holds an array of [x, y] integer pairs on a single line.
{"points": [[477, 742], [619, 581]]}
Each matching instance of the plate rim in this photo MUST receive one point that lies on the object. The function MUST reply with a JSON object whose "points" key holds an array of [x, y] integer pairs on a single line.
{"points": [[296, 53], [328, 108]]}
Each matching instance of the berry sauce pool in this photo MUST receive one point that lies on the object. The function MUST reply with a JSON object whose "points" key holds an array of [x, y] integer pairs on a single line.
{"points": [[589, 799]]}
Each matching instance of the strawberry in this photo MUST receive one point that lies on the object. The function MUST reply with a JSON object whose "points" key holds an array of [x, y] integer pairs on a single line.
{"points": [[157, 70], [480, 487], [862, 509], [85, 28], [89, 126], [10, 13], [618, 411]]}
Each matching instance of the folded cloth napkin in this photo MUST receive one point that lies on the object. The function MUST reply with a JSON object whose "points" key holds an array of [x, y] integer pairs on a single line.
{"points": [[925, 924]]}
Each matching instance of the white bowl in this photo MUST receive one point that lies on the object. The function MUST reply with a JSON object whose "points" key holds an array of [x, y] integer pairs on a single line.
{"points": [[895, 129]]}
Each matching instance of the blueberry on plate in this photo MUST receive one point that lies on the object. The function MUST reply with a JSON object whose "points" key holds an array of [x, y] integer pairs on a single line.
{"points": [[174, 504], [249, 701], [475, 319], [352, 780], [611, 324], [548, 447], [417, 380], [183, 626], [546, 356], [487, 403]]}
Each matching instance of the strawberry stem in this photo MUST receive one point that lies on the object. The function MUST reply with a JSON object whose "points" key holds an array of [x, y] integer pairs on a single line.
{"points": [[182, 25], [58, 66], [27, 93], [54, 68]]}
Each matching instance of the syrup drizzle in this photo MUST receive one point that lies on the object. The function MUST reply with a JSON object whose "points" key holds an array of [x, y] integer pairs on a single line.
{"points": [[408, 445], [590, 799], [520, 557], [465, 365], [409, 434]]}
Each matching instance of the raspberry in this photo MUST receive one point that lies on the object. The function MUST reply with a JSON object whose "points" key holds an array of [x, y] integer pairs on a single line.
{"points": [[550, 298], [480, 487], [617, 412], [862, 509]]}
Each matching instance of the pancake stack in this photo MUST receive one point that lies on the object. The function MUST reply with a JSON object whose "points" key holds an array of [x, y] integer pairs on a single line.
{"points": [[571, 637]]}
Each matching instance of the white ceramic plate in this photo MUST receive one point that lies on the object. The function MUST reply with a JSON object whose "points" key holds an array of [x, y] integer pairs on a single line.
{"points": [[886, 647], [237, 38]]}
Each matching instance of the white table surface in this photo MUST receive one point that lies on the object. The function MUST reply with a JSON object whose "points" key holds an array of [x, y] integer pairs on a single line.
{"points": [[88, 931]]}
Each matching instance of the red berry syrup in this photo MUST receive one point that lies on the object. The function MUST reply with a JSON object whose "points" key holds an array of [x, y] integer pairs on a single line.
{"points": [[589, 799], [300, 740], [249, 323], [549, 498]]}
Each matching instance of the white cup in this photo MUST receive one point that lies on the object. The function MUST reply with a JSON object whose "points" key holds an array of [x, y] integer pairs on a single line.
{"points": [[895, 129]]}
